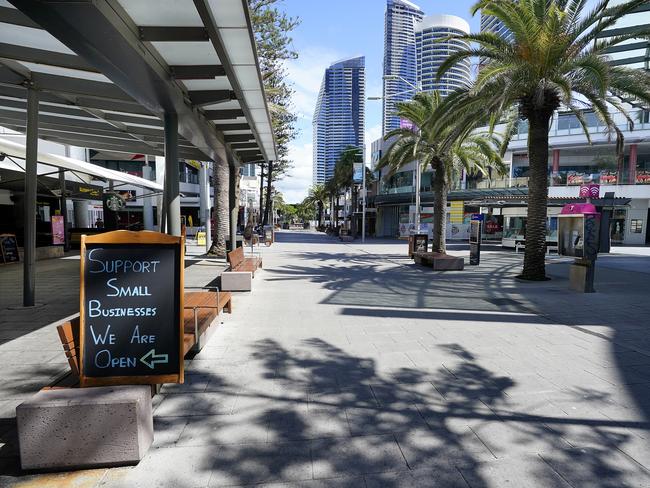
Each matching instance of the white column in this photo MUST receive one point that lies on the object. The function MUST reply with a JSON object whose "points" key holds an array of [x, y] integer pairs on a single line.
{"points": [[160, 179], [147, 204]]}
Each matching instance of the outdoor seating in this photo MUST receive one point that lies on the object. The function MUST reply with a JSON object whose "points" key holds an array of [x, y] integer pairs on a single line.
{"points": [[200, 308], [439, 261], [239, 262]]}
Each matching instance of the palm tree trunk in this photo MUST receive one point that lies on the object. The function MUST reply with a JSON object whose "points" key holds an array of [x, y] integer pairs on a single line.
{"points": [[320, 214], [534, 267], [221, 209], [439, 209]]}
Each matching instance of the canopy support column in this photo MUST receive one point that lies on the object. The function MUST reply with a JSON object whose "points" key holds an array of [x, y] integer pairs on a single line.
{"points": [[233, 197], [31, 162], [63, 205], [147, 207], [172, 197], [205, 202]]}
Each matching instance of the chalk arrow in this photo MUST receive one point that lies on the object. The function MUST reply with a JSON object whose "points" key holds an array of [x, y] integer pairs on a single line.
{"points": [[151, 358]]}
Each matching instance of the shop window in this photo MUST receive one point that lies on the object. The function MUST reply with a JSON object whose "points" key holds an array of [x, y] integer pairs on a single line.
{"points": [[636, 226]]}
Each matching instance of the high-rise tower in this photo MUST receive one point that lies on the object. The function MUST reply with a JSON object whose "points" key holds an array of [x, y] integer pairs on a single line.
{"points": [[433, 50], [339, 118], [399, 58]]}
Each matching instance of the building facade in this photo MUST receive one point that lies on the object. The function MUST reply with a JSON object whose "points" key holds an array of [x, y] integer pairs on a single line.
{"points": [[400, 62], [433, 49], [339, 117]]}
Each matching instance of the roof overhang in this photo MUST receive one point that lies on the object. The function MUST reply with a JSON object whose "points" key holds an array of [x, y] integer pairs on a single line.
{"points": [[16, 150], [108, 70]]}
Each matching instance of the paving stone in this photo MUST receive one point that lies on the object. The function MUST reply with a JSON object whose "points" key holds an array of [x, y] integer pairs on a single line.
{"points": [[248, 464], [356, 455]]}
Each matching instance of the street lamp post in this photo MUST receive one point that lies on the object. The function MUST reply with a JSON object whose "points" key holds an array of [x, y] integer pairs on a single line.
{"points": [[416, 89]]}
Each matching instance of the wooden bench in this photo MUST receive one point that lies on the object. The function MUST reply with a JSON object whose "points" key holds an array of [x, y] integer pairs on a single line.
{"points": [[238, 262], [439, 261], [200, 308]]}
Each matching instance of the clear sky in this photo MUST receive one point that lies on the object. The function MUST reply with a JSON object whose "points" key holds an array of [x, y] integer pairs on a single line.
{"points": [[331, 30]]}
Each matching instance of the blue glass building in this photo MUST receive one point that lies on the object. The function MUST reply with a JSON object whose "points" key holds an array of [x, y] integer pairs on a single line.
{"points": [[339, 117], [401, 20]]}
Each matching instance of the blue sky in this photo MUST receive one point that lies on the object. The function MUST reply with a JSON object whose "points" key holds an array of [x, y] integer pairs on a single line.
{"points": [[331, 30]]}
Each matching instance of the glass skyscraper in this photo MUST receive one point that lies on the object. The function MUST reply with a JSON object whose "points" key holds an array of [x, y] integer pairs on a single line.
{"points": [[339, 118], [432, 51], [399, 57]]}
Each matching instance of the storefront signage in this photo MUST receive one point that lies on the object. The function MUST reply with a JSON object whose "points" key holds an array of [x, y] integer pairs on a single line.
{"points": [[457, 212], [58, 230], [131, 310], [643, 177], [589, 191], [9, 248]]}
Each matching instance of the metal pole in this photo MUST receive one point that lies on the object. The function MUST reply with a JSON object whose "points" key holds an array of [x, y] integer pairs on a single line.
{"points": [[147, 206], [363, 205], [417, 196], [172, 195], [31, 163], [208, 220], [64, 210], [233, 175]]}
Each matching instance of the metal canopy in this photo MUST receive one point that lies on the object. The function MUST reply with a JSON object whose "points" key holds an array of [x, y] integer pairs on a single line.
{"points": [[108, 70], [16, 150]]}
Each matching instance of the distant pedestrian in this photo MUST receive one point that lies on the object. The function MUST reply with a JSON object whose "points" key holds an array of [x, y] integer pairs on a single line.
{"points": [[99, 223]]}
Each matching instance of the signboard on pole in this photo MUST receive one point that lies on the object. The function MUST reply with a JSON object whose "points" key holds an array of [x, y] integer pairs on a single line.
{"points": [[131, 314], [475, 239], [357, 174]]}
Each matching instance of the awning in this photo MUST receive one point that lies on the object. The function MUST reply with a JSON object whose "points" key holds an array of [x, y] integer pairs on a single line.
{"points": [[16, 150], [108, 71]]}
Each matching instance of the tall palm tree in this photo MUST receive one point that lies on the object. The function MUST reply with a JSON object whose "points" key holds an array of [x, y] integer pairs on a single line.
{"points": [[317, 196], [333, 192], [221, 211], [556, 58], [344, 177], [446, 148]]}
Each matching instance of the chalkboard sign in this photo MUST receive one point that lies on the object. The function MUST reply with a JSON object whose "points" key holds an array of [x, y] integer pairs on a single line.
{"points": [[131, 309], [9, 248]]}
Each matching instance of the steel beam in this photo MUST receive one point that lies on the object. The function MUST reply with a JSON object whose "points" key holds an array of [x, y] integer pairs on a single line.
{"points": [[225, 127], [104, 35], [29, 236], [197, 72], [239, 138], [41, 56], [233, 199], [172, 34], [172, 196], [206, 97], [223, 114]]}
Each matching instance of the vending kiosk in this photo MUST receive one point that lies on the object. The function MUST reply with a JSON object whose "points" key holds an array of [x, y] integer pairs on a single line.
{"points": [[578, 237]]}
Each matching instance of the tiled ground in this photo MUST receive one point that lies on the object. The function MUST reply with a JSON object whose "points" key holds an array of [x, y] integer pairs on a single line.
{"points": [[349, 366]]}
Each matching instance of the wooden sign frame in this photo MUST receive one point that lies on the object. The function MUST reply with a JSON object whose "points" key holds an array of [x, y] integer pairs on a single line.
{"points": [[137, 238]]}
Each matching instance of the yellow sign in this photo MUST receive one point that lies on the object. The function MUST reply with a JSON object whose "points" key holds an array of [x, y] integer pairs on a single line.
{"points": [[457, 211], [193, 163], [200, 238]]}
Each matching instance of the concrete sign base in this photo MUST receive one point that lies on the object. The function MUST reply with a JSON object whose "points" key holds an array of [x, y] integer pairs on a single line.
{"points": [[85, 427]]}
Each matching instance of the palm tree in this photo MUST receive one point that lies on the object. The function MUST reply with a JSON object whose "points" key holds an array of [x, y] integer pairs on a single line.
{"points": [[333, 192], [318, 195], [221, 211], [343, 176], [556, 58], [446, 148]]}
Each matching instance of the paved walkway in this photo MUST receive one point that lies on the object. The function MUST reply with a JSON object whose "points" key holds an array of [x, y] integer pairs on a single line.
{"points": [[349, 366]]}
